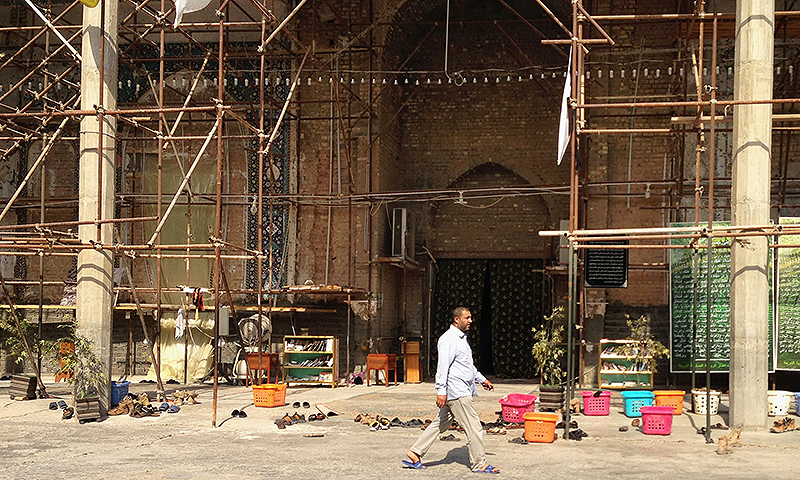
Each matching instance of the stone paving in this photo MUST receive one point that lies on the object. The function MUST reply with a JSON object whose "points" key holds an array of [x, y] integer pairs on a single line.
{"points": [[37, 444]]}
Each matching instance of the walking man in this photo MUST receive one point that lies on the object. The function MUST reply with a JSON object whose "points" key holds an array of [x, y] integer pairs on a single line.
{"points": [[456, 377]]}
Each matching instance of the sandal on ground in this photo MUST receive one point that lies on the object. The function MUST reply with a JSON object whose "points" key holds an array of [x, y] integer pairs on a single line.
{"points": [[449, 438], [496, 431], [417, 465], [487, 469], [519, 440]]}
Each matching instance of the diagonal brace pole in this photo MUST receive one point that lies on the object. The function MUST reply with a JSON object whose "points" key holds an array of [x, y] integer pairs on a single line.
{"points": [[186, 177]]}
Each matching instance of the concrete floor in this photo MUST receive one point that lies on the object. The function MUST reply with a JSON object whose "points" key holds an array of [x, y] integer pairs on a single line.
{"points": [[37, 444]]}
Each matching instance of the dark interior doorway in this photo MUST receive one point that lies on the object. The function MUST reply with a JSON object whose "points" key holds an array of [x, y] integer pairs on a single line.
{"points": [[505, 297]]}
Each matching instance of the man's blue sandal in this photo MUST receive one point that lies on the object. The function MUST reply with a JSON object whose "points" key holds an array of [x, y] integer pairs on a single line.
{"points": [[418, 464], [488, 469]]}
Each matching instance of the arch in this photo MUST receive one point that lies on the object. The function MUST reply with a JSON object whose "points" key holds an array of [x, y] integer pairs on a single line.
{"points": [[500, 227]]}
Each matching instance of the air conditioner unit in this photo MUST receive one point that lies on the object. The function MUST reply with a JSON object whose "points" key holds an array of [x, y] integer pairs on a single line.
{"points": [[402, 234]]}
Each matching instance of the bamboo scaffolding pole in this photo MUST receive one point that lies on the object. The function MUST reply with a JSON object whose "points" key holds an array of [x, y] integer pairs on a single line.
{"points": [[32, 169], [185, 181]]}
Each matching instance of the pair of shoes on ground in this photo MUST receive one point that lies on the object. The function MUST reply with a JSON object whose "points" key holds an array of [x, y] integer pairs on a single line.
{"points": [[382, 423], [572, 424], [287, 419], [520, 440], [67, 411], [239, 413], [496, 430], [304, 404], [577, 435], [716, 426], [786, 424], [184, 396]]}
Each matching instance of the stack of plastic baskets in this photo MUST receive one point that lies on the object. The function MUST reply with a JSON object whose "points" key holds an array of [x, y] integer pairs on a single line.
{"points": [[633, 400], [778, 401], [670, 398], [515, 405], [540, 427], [699, 401], [657, 420], [596, 403]]}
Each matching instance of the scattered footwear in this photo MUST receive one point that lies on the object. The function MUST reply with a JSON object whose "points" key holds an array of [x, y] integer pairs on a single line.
{"points": [[496, 430], [449, 438], [635, 422], [53, 406], [280, 423], [623, 428], [577, 435], [62, 404], [306, 405], [396, 422], [519, 440], [176, 409], [67, 414], [163, 407], [786, 424], [487, 469]]}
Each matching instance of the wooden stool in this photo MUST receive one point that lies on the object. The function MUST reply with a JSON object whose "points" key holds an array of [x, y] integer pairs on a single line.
{"points": [[268, 362], [382, 361]]}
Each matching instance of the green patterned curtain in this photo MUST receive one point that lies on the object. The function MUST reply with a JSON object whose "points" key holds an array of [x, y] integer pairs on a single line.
{"points": [[516, 305], [459, 283]]}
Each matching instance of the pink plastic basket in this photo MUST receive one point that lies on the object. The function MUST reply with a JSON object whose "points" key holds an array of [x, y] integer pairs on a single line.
{"points": [[657, 420], [515, 405], [596, 405]]}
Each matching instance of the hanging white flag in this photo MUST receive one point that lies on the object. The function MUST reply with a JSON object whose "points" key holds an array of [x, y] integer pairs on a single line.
{"points": [[563, 124], [188, 6]]}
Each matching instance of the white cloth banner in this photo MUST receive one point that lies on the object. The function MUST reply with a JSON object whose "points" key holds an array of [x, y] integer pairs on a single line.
{"points": [[188, 6], [563, 124]]}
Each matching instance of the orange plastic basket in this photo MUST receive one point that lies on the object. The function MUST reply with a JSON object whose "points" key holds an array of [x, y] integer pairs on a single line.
{"points": [[269, 395], [670, 398], [540, 427]]}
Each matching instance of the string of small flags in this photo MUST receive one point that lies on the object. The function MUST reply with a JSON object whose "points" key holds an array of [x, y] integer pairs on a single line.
{"points": [[592, 72]]}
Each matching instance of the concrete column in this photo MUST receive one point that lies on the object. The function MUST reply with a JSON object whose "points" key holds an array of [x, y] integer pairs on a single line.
{"points": [[96, 184], [752, 143]]}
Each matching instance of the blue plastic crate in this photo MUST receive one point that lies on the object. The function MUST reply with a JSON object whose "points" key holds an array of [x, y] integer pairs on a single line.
{"points": [[634, 399], [118, 391]]}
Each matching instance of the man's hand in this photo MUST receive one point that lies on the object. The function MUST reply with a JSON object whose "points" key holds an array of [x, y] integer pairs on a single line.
{"points": [[441, 400], [487, 385]]}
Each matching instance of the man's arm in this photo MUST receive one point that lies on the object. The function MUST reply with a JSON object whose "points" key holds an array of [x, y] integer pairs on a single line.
{"points": [[446, 351]]}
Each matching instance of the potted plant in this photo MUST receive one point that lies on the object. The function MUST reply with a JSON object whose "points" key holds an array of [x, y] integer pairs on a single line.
{"points": [[88, 381], [548, 354], [644, 350]]}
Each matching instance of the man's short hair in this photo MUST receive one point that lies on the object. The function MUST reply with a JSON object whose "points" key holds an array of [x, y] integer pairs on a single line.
{"points": [[459, 311]]}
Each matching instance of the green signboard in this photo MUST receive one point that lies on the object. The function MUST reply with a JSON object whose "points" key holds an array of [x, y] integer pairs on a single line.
{"points": [[789, 300], [688, 278]]}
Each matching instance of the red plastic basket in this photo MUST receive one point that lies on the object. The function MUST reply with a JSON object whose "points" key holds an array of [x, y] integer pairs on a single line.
{"points": [[596, 405], [515, 405], [657, 420]]}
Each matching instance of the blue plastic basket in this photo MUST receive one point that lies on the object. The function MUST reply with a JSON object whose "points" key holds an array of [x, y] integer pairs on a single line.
{"points": [[635, 399], [118, 391]]}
